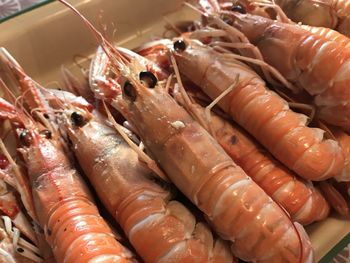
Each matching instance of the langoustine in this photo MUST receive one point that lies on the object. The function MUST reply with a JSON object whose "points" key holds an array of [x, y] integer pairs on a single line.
{"points": [[341, 41], [12, 246], [305, 64], [261, 112], [334, 14], [142, 207], [21, 214], [302, 201], [335, 192], [313, 13], [64, 208], [261, 8], [209, 182]]}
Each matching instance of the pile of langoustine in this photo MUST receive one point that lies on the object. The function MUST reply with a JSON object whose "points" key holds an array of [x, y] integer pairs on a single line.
{"points": [[217, 112]]}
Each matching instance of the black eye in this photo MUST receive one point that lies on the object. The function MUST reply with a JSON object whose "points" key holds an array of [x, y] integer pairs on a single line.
{"points": [[77, 119], [239, 9], [148, 79], [25, 138], [129, 91], [179, 45], [47, 134]]}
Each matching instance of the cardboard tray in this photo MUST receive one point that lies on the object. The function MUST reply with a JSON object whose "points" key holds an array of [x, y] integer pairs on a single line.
{"points": [[47, 37]]}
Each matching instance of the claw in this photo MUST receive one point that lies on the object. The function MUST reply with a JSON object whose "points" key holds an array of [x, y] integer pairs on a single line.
{"points": [[102, 82], [157, 51]]}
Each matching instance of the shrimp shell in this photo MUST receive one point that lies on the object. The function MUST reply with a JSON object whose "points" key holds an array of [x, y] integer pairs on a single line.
{"points": [[303, 202], [198, 166], [262, 113], [312, 62], [72, 225], [332, 14], [141, 206], [329, 34]]}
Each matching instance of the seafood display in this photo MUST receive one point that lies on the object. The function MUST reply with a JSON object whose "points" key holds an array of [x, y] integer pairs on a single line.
{"points": [[219, 141]]}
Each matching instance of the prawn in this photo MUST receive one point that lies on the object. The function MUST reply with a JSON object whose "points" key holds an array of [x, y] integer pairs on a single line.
{"points": [[209, 182], [275, 39], [261, 112], [302, 201], [325, 32], [310, 62], [260, 7], [63, 205], [141, 206], [334, 14], [254, 160], [236, 207]]}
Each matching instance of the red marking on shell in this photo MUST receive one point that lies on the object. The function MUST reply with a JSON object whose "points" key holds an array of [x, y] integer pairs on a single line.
{"points": [[10, 211], [3, 161]]}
